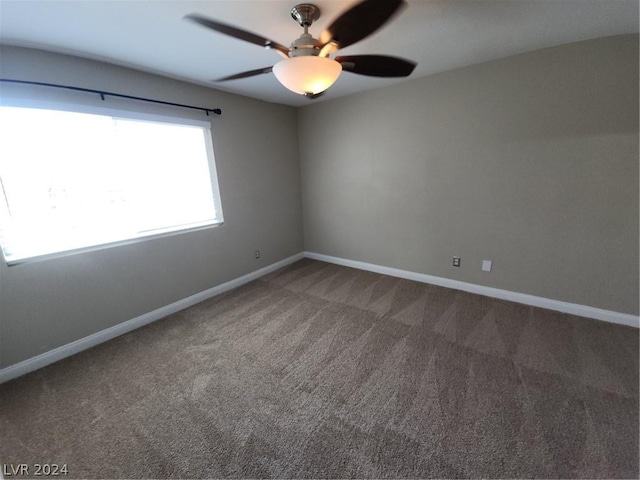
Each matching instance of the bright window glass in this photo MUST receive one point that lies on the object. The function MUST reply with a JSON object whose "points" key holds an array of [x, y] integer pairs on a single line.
{"points": [[71, 181]]}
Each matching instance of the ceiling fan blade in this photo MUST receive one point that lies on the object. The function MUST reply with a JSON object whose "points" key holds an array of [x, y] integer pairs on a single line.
{"points": [[377, 65], [237, 33], [249, 73], [360, 22]]}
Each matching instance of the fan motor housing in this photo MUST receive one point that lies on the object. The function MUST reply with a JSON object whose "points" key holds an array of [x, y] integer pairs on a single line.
{"points": [[304, 46]]}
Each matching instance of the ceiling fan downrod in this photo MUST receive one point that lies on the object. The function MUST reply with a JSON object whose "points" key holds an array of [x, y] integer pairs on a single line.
{"points": [[305, 45]]}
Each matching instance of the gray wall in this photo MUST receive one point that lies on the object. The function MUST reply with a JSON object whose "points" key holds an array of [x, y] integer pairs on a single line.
{"points": [[50, 303], [530, 161]]}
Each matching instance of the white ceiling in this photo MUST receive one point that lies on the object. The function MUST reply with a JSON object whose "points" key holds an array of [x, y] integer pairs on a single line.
{"points": [[440, 35]]}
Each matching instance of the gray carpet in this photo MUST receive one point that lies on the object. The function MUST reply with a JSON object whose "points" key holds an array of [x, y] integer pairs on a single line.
{"points": [[323, 371]]}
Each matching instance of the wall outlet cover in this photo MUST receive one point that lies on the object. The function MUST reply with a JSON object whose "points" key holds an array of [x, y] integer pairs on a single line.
{"points": [[486, 265]]}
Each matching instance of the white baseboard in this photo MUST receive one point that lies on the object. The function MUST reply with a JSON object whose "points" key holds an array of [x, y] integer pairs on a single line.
{"points": [[557, 305], [102, 336]]}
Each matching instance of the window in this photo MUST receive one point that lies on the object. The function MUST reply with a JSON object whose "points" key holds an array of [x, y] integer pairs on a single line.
{"points": [[74, 181]]}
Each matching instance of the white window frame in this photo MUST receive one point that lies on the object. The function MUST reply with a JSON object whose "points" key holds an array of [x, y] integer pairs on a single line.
{"points": [[129, 115]]}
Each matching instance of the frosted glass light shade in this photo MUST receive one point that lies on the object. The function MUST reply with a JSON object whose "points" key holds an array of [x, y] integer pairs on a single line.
{"points": [[307, 74]]}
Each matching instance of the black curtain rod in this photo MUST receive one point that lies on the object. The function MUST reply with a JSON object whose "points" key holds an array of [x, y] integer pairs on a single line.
{"points": [[102, 94]]}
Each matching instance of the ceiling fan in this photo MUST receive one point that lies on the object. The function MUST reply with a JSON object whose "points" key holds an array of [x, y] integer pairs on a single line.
{"points": [[307, 68]]}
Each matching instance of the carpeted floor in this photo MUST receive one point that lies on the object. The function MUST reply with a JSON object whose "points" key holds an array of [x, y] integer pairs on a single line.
{"points": [[323, 371]]}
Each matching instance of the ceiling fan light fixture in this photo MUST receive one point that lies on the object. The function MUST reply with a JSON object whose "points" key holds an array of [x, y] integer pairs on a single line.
{"points": [[307, 74]]}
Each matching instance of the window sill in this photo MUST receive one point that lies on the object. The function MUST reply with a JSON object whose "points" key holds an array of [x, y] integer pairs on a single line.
{"points": [[114, 244]]}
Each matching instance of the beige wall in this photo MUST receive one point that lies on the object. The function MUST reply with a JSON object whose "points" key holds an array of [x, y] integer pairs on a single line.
{"points": [[49, 303], [530, 161]]}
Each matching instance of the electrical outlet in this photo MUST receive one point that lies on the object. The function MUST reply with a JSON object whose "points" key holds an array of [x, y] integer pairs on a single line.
{"points": [[486, 265], [257, 253], [456, 261]]}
